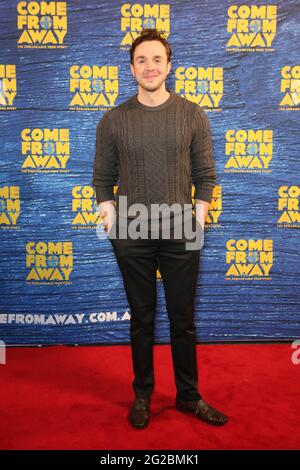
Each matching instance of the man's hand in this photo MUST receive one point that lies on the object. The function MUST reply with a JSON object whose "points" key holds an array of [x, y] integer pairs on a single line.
{"points": [[108, 212], [201, 211]]}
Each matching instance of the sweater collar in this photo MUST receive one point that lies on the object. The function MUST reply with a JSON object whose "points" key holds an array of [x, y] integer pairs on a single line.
{"points": [[163, 105]]}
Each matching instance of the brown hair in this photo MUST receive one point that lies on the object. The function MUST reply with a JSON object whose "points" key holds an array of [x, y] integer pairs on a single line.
{"points": [[150, 34]]}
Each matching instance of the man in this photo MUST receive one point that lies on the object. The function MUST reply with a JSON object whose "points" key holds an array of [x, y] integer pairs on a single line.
{"points": [[156, 144]]}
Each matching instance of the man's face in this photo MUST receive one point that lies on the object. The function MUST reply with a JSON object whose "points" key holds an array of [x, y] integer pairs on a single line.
{"points": [[150, 67]]}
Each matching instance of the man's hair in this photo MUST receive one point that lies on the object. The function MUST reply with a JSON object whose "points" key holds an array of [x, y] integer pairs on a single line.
{"points": [[150, 34]]}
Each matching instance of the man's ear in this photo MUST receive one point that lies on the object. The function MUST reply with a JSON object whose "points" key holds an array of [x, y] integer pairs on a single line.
{"points": [[169, 67], [132, 69]]}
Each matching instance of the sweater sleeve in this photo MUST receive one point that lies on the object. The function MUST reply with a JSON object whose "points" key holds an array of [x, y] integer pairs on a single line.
{"points": [[105, 168], [202, 162]]}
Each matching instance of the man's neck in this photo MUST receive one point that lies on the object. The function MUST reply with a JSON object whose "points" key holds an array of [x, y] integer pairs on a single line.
{"points": [[154, 98]]}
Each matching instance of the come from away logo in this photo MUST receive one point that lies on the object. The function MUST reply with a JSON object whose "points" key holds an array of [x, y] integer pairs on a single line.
{"points": [[252, 27], [248, 151], [10, 207], [200, 85], [249, 259], [94, 87], [135, 17], [49, 262], [45, 150], [42, 25], [215, 208], [85, 207], [8, 86], [288, 205], [290, 87]]}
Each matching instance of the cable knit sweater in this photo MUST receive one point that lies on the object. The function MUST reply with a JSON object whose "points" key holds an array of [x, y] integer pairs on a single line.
{"points": [[154, 153]]}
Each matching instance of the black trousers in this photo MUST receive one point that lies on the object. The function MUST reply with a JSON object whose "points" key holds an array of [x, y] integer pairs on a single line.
{"points": [[138, 261]]}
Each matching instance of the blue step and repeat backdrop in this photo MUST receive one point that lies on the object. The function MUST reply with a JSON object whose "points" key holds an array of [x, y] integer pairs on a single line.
{"points": [[62, 65]]}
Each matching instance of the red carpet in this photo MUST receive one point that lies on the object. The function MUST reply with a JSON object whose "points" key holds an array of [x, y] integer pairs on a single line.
{"points": [[78, 398]]}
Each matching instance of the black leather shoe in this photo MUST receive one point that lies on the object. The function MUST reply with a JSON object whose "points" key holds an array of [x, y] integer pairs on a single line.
{"points": [[203, 411], [139, 415]]}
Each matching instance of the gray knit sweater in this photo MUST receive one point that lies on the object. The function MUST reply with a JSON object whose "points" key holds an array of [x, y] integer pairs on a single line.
{"points": [[154, 153]]}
